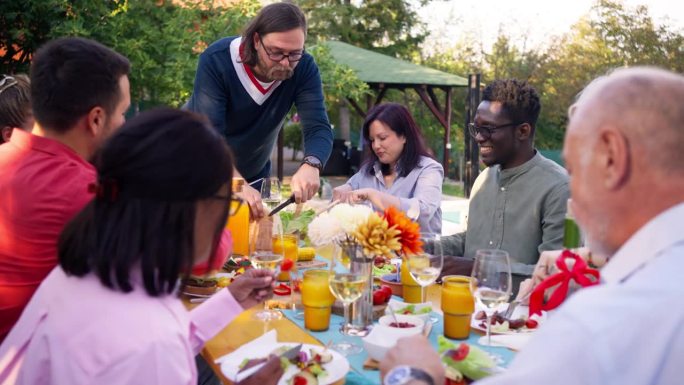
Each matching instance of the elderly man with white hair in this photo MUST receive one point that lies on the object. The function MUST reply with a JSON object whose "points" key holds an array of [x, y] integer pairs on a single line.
{"points": [[624, 150]]}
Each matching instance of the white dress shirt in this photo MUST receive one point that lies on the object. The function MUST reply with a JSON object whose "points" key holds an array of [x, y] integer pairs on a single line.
{"points": [[627, 330]]}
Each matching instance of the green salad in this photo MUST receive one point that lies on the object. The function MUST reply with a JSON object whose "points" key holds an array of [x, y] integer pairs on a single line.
{"points": [[411, 309], [299, 224]]}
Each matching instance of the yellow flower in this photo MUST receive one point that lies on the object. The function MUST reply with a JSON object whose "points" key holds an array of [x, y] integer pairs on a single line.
{"points": [[376, 237]]}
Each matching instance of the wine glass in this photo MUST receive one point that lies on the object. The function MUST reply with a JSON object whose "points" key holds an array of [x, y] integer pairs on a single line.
{"points": [[271, 192], [491, 283], [347, 287], [426, 266], [263, 234]]}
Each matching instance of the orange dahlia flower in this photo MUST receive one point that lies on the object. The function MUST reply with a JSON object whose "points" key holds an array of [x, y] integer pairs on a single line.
{"points": [[409, 231]]}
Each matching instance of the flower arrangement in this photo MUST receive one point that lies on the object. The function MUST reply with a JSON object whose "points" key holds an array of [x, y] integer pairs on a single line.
{"points": [[380, 235]]}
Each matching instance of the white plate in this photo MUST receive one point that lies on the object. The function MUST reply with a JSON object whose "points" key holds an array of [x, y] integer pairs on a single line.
{"points": [[517, 313], [196, 295], [336, 369]]}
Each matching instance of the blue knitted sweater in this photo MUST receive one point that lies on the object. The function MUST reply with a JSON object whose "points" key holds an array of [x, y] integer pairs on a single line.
{"points": [[250, 118]]}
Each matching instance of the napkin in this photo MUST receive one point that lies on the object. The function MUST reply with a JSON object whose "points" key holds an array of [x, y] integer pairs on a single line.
{"points": [[510, 341], [258, 347]]}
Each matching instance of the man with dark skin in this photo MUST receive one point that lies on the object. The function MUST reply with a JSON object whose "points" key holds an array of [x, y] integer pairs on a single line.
{"points": [[518, 202]]}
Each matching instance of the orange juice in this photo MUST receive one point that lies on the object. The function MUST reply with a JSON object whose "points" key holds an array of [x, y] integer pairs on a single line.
{"points": [[287, 247], [238, 224], [411, 289], [458, 305], [317, 299]]}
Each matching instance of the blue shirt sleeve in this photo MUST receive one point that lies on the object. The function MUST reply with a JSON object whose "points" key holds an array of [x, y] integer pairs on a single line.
{"points": [[310, 104], [209, 96]]}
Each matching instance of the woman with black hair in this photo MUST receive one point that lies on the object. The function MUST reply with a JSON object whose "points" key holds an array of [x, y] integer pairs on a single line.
{"points": [[110, 312], [398, 170]]}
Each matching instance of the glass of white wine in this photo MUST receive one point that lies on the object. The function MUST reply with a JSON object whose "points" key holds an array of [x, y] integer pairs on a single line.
{"points": [[271, 192], [491, 283], [263, 234], [347, 287], [426, 266]]}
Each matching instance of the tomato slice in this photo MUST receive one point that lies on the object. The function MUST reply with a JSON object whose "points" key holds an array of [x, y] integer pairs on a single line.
{"points": [[282, 289]]}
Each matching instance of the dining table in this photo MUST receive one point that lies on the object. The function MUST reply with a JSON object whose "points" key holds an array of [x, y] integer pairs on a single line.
{"points": [[245, 328]]}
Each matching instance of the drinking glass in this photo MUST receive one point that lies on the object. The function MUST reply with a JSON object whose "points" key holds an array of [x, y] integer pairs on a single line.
{"points": [[316, 299], [271, 192], [491, 282], [426, 266], [296, 278], [347, 287], [263, 235]]}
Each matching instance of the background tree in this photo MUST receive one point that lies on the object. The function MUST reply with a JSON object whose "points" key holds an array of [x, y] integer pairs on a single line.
{"points": [[391, 27]]}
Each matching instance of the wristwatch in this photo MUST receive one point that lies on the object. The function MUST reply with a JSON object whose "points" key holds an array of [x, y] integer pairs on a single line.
{"points": [[400, 375], [313, 162]]}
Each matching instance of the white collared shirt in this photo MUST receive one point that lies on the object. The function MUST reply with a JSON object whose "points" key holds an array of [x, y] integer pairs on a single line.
{"points": [[625, 331]]}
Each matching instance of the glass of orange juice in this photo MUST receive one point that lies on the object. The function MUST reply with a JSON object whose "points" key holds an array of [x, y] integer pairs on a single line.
{"points": [[412, 291], [458, 305], [317, 299], [287, 246]]}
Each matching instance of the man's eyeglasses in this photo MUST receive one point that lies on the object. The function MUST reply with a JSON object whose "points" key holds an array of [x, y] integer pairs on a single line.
{"points": [[233, 208], [486, 132], [7, 82], [292, 57]]}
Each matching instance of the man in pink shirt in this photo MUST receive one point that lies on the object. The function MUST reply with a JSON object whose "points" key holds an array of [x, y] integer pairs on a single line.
{"points": [[80, 92]]}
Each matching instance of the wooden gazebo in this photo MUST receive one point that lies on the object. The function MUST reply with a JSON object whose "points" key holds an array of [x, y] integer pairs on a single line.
{"points": [[382, 72]]}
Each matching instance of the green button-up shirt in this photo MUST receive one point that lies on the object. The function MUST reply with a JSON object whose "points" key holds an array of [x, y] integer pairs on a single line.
{"points": [[520, 210]]}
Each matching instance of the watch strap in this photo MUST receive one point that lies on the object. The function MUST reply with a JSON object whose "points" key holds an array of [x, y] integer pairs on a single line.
{"points": [[421, 375], [313, 162], [403, 374]]}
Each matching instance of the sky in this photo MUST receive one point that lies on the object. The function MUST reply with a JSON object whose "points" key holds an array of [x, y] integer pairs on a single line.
{"points": [[530, 22]]}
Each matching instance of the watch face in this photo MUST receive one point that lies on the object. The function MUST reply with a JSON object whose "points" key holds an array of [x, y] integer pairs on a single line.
{"points": [[398, 375]]}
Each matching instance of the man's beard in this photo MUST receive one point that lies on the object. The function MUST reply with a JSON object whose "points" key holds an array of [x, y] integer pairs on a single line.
{"points": [[279, 72]]}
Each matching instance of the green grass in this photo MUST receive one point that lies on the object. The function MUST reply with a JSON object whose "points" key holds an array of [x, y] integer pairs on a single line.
{"points": [[452, 189]]}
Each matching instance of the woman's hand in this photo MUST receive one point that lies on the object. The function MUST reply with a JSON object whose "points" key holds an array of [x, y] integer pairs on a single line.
{"points": [[342, 193], [253, 287], [363, 195]]}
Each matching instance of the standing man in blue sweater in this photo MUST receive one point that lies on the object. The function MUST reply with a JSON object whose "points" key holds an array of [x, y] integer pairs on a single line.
{"points": [[247, 84]]}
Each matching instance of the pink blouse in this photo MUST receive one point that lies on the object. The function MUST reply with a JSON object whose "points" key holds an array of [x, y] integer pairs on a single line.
{"points": [[76, 331]]}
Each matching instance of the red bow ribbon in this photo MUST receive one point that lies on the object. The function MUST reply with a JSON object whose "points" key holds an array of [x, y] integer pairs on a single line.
{"points": [[580, 273]]}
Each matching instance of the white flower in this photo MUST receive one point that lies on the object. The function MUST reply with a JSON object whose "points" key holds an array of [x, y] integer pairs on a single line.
{"points": [[324, 229], [350, 216]]}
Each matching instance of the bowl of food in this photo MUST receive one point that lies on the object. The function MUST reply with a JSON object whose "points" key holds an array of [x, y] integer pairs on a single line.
{"points": [[383, 337], [420, 310], [378, 342], [394, 284], [403, 325]]}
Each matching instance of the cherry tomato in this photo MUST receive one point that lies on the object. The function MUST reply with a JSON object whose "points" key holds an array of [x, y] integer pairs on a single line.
{"points": [[378, 297], [299, 380], [461, 353], [531, 324], [287, 265]]}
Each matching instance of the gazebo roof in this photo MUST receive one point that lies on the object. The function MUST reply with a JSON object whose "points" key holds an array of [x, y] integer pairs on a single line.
{"points": [[375, 68]]}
